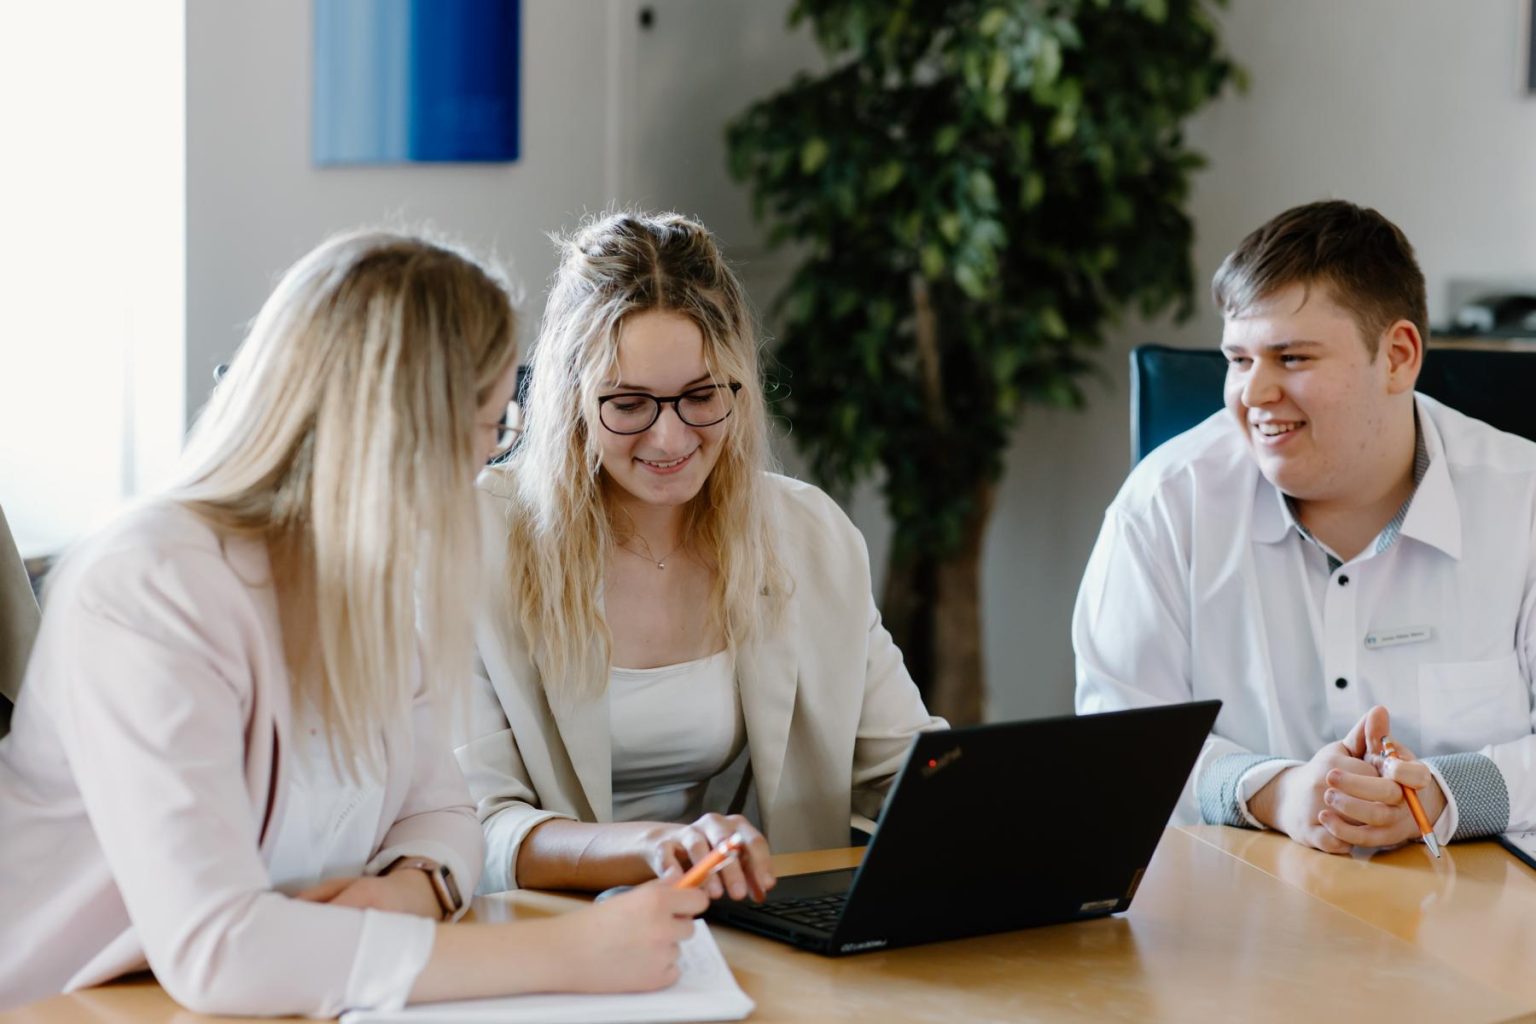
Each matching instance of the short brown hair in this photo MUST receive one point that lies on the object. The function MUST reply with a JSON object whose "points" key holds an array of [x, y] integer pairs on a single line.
{"points": [[1361, 256]]}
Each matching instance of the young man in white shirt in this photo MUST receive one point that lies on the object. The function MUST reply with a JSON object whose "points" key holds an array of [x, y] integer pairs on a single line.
{"points": [[1333, 556]]}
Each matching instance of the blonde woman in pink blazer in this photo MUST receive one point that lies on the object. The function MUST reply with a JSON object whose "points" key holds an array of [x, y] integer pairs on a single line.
{"points": [[225, 763]]}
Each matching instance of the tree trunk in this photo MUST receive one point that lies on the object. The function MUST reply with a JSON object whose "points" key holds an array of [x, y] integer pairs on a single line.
{"points": [[910, 591], [932, 607]]}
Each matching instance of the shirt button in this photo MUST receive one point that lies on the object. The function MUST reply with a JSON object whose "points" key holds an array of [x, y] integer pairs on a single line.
{"points": [[1343, 581], [1341, 682]]}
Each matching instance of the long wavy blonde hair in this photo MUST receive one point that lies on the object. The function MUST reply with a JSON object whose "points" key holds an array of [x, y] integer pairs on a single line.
{"points": [[343, 435], [560, 529]]}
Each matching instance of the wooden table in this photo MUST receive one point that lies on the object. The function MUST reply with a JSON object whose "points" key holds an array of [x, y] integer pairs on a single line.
{"points": [[1228, 925], [1473, 910]]}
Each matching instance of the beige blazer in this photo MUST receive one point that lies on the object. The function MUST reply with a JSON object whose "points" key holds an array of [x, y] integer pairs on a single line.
{"points": [[829, 707], [145, 776]]}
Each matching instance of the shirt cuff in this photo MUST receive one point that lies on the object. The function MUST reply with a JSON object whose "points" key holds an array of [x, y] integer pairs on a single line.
{"points": [[504, 838], [444, 854], [1476, 796], [1255, 779], [392, 951], [1220, 791]]}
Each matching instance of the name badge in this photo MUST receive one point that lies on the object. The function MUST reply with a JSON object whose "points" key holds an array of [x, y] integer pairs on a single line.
{"points": [[1398, 636]]}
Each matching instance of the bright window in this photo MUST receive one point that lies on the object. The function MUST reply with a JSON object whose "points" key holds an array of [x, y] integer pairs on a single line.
{"points": [[92, 262]]}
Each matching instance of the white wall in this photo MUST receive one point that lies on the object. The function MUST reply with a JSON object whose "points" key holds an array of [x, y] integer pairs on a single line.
{"points": [[612, 113], [255, 202], [92, 269], [1416, 109]]}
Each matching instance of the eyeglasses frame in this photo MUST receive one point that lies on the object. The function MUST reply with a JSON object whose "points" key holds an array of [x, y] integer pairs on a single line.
{"points": [[662, 401]]}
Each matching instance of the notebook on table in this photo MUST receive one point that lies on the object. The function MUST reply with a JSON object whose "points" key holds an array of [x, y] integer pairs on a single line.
{"points": [[996, 827], [706, 991], [1521, 844]]}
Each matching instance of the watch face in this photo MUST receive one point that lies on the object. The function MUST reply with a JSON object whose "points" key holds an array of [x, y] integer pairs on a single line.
{"points": [[442, 879]]}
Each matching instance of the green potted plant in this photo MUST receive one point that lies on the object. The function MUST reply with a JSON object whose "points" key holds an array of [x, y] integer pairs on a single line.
{"points": [[978, 188]]}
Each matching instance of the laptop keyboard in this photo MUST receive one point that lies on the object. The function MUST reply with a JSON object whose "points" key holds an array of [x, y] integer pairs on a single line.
{"points": [[819, 912]]}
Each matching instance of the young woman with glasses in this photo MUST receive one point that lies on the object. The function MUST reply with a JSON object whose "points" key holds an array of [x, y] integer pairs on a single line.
{"points": [[225, 764], [677, 645]]}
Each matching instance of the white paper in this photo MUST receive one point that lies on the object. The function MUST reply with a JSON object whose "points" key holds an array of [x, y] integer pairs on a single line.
{"points": [[1526, 841], [705, 991]]}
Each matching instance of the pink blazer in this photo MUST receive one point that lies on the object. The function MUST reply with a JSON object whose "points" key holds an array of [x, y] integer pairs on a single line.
{"points": [[144, 779]]}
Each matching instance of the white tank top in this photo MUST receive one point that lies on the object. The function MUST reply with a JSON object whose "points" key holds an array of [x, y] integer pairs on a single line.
{"points": [[674, 728]]}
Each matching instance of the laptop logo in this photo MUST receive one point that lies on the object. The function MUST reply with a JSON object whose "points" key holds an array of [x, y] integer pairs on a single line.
{"points": [[855, 947], [944, 760]]}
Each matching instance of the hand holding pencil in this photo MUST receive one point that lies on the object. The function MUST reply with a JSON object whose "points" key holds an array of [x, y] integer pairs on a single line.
{"points": [[1418, 785], [1390, 758], [742, 871], [725, 851], [1371, 805]]}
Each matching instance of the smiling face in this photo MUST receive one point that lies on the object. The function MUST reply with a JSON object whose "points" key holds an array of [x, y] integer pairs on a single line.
{"points": [[660, 353], [1321, 416]]}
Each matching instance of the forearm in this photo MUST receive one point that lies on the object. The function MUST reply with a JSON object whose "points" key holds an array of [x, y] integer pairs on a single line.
{"points": [[1264, 804], [563, 854], [1238, 788], [417, 895], [474, 961]]}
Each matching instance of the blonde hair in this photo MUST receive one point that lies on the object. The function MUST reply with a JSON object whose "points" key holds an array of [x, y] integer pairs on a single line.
{"points": [[343, 435], [560, 530]]}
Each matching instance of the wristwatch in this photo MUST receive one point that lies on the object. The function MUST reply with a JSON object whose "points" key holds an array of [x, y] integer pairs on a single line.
{"points": [[443, 885]]}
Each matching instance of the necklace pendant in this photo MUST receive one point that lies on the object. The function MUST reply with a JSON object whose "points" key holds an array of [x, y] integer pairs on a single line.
{"points": [[661, 565]]}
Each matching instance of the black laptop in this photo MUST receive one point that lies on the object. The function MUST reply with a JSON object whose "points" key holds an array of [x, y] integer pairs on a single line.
{"points": [[996, 827]]}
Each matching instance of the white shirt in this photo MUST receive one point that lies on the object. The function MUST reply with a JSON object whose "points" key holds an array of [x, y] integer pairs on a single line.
{"points": [[1201, 586], [327, 831], [329, 820], [674, 728]]}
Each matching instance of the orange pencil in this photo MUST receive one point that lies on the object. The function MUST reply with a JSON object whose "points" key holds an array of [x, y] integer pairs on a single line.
{"points": [[1389, 750], [713, 861]]}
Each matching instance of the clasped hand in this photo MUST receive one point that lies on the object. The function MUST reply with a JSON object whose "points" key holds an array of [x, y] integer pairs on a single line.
{"points": [[671, 849], [1348, 795]]}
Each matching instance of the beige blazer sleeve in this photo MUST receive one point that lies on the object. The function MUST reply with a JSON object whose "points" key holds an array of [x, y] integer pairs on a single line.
{"points": [[514, 789], [828, 705], [857, 707]]}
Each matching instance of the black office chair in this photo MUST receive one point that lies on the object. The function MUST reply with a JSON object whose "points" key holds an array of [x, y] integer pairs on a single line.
{"points": [[18, 623], [1172, 389]]}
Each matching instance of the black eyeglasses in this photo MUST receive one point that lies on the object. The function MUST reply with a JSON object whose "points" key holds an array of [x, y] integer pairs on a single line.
{"points": [[509, 431], [634, 412]]}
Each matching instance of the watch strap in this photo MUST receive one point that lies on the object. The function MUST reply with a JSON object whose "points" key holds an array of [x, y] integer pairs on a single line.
{"points": [[443, 886]]}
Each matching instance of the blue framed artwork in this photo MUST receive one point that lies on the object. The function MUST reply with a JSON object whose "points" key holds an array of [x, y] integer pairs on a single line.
{"points": [[416, 80]]}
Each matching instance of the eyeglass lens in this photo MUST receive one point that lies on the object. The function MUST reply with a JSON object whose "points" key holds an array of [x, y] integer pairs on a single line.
{"points": [[630, 414]]}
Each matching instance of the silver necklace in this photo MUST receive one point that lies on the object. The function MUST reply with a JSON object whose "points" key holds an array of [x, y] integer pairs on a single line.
{"points": [[650, 556]]}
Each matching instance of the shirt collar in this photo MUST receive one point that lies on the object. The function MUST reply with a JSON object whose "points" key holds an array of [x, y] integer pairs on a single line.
{"points": [[1431, 514], [1272, 519], [1434, 514]]}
